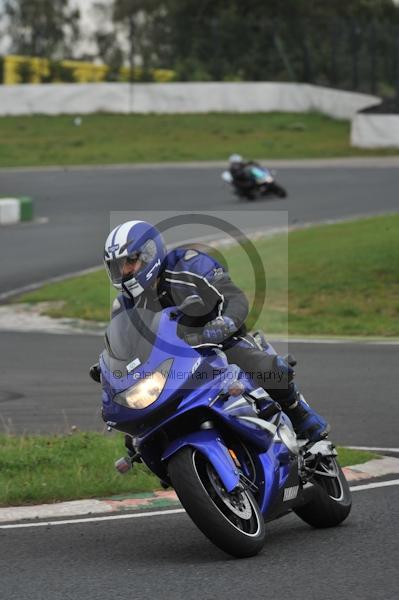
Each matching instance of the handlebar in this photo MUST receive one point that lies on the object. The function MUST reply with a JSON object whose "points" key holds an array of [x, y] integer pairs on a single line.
{"points": [[195, 339]]}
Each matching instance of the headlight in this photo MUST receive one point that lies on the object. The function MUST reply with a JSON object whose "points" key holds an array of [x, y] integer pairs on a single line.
{"points": [[146, 391]]}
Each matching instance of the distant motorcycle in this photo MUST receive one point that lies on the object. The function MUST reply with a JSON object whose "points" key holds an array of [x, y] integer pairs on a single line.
{"points": [[259, 183]]}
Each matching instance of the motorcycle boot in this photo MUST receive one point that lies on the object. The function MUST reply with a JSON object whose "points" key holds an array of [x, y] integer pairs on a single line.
{"points": [[306, 421]]}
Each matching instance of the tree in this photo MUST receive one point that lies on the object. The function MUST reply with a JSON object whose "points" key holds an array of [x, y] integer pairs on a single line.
{"points": [[44, 28], [341, 43], [106, 38], [144, 24], [58, 72], [24, 71]]}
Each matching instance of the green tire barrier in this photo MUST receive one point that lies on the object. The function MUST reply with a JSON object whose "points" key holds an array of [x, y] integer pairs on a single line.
{"points": [[26, 208], [14, 210]]}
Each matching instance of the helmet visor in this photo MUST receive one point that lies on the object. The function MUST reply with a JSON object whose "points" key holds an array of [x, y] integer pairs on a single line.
{"points": [[124, 268]]}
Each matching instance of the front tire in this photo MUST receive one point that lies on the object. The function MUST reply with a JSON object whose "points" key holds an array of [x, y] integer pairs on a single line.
{"points": [[331, 498], [232, 521]]}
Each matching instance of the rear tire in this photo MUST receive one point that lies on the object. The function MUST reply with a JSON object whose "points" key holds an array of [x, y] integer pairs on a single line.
{"points": [[249, 194], [331, 498], [232, 521], [279, 191]]}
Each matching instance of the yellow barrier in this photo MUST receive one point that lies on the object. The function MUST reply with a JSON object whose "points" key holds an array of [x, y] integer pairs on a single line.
{"points": [[26, 69], [85, 72], [18, 68]]}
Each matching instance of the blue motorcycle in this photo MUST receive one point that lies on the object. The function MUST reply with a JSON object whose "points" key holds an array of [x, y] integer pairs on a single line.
{"points": [[193, 419]]}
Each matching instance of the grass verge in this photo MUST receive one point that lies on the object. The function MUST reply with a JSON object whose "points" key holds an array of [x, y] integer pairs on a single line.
{"points": [[337, 279], [39, 469], [112, 138]]}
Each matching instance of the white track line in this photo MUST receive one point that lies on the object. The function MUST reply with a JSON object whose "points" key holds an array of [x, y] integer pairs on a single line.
{"points": [[157, 513], [375, 448], [355, 340], [154, 513], [378, 484]]}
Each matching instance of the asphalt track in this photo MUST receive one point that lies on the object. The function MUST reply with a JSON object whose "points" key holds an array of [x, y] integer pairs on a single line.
{"points": [[76, 205], [167, 557], [44, 387]]}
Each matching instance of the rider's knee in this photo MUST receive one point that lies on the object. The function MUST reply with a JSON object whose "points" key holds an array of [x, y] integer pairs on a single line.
{"points": [[284, 390], [284, 370]]}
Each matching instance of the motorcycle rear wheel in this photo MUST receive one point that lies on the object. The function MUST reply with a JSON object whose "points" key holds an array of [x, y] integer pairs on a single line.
{"points": [[232, 521], [278, 190], [331, 500], [251, 196]]}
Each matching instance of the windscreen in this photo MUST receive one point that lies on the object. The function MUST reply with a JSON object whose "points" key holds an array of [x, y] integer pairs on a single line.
{"points": [[258, 173], [130, 337]]}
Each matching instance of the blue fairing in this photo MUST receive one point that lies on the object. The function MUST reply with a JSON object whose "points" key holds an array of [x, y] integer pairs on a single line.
{"points": [[182, 374], [195, 391], [275, 476], [210, 444]]}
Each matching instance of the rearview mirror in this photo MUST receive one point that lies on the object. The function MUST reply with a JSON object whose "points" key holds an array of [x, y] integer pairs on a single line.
{"points": [[191, 301]]}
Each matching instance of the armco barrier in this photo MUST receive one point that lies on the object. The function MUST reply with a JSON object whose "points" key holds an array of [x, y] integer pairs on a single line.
{"points": [[192, 97], [375, 131], [14, 210]]}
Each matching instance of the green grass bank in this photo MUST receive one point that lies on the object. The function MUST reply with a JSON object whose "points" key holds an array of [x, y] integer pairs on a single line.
{"points": [[39, 469], [340, 279], [113, 138]]}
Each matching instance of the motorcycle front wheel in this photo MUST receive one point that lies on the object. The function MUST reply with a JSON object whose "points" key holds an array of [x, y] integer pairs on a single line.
{"points": [[232, 521], [331, 500]]}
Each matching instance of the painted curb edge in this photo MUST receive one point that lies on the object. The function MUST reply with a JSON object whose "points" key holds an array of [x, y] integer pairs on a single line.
{"points": [[162, 499]]}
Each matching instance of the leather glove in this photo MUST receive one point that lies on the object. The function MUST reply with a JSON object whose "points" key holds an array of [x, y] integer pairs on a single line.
{"points": [[218, 330]]}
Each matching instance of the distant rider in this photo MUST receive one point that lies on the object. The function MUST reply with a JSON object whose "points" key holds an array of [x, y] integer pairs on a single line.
{"points": [[147, 276], [241, 172]]}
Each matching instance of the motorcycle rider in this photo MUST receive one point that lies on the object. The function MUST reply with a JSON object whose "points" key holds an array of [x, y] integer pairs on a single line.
{"points": [[147, 276], [240, 170]]}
